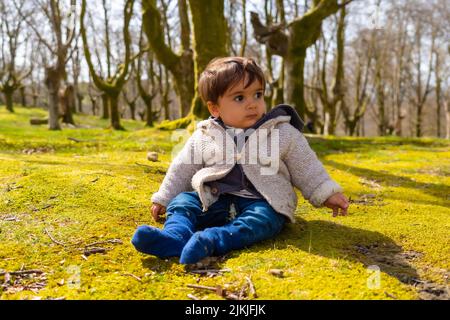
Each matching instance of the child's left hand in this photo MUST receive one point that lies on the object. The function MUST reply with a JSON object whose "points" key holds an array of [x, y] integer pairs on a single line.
{"points": [[337, 201]]}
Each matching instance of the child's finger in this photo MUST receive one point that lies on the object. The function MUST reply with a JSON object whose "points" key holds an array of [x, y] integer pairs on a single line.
{"points": [[335, 211]]}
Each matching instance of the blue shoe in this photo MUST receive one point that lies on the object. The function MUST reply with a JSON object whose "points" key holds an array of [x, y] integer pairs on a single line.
{"points": [[161, 243], [199, 246]]}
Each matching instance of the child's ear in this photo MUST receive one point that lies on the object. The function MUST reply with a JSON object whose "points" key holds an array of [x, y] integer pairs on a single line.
{"points": [[213, 109]]}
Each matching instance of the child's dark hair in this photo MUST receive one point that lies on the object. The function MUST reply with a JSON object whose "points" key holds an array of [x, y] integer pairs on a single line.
{"points": [[223, 73]]}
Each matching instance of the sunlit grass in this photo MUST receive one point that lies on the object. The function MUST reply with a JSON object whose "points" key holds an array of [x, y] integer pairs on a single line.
{"points": [[98, 189]]}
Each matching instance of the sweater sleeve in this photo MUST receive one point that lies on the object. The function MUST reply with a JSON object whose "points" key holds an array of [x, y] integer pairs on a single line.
{"points": [[307, 172], [179, 175]]}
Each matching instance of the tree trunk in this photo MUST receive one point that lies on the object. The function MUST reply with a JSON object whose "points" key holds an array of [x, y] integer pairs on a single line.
{"points": [[9, 99], [148, 113], [80, 102], [180, 66], [52, 81], [419, 120], [105, 105], [210, 41], [294, 89], [114, 109], [304, 32], [23, 96], [133, 110], [447, 119]]}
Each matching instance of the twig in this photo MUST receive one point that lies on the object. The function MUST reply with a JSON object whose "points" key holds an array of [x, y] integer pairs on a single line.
{"points": [[53, 239], [232, 296], [242, 292], [79, 140], [201, 271], [191, 296], [88, 252], [132, 275], [143, 165], [17, 273], [7, 279], [218, 289], [197, 286], [251, 287], [103, 242]]}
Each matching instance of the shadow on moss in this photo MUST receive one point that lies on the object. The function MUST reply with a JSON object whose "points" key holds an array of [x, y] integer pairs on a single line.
{"points": [[336, 241], [440, 191]]}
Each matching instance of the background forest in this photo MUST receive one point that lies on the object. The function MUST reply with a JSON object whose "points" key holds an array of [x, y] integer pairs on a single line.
{"points": [[366, 68]]}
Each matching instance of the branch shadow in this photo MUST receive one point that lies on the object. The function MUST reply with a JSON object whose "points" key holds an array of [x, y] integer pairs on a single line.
{"points": [[332, 240], [440, 191]]}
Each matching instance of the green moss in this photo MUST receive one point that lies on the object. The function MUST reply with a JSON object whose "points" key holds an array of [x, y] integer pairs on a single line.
{"points": [[98, 189]]}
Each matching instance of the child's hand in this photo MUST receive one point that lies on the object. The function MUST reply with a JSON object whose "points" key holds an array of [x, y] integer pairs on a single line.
{"points": [[157, 210], [337, 201]]}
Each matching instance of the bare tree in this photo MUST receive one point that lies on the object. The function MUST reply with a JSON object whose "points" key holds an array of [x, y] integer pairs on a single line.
{"points": [[181, 65], [148, 92], [57, 41], [301, 33], [113, 84], [11, 77]]}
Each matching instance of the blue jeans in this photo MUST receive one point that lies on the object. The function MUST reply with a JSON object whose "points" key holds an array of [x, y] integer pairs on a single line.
{"points": [[255, 220]]}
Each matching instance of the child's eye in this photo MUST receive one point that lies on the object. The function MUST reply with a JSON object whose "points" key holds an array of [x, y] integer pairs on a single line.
{"points": [[239, 98], [258, 94]]}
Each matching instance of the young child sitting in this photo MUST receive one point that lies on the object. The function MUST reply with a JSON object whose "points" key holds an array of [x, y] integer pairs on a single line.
{"points": [[242, 165]]}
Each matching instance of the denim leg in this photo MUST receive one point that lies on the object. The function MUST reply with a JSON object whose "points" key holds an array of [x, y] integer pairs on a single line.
{"points": [[256, 221], [184, 215], [178, 228]]}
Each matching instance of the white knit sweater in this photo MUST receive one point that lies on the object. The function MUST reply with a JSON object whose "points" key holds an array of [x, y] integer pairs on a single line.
{"points": [[284, 160]]}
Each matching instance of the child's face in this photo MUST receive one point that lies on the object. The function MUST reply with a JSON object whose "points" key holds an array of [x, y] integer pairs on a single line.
{"points": [[239, 107]]}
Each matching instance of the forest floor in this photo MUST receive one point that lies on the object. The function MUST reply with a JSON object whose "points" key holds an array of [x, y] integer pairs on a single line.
{"points": [[71, 200]]}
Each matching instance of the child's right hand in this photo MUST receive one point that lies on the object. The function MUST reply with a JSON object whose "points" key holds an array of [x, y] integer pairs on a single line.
{"points": [[157, 210]]}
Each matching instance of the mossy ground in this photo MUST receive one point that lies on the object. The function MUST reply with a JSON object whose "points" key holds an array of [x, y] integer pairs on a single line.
{"points": [[98, 189]]}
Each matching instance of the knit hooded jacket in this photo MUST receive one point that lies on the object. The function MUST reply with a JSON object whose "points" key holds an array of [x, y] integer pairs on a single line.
{"points": [[282, 160]]}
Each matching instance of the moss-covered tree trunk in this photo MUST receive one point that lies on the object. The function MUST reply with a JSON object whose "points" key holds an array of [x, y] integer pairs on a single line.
{"points": [[105, 106], [181, 65], [9, 99], [114, 108], [302, 33], [210, 41], [23, 96]]}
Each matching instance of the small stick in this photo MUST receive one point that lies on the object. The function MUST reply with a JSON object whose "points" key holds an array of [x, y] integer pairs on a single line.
{"points": [[17, 273], [191, 296], [143, 165], [103, 242], [132, 275], [79, 140], [210, 270], [88, 252], [197, 286], [242, 292], [232, 296], [7, 279], [251, 287], [53, 239]]}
